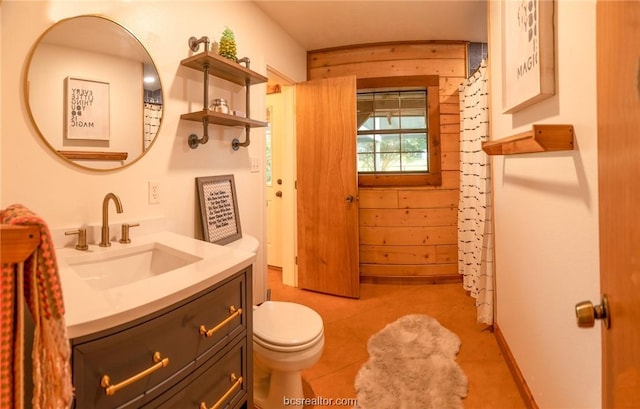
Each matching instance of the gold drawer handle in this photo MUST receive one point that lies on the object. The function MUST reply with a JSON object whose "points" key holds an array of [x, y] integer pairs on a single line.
{"points": [[109, 389], [237, 381], [234, 313]]}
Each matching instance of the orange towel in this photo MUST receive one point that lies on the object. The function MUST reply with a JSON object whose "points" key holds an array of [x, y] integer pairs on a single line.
{"points": [[10, 340], [51, 350]]}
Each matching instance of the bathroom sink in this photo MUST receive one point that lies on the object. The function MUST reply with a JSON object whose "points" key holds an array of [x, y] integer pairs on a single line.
{"points": [[105, 287], [118, 267]]}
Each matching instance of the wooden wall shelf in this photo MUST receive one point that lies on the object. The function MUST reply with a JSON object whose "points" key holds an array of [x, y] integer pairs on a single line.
{"points": [[220, 118], [223, 68], [90, 155], [541, 138], [212, 64]]}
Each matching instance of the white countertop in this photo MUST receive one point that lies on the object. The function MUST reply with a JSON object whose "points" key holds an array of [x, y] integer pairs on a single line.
{"points": [[89, 310]]}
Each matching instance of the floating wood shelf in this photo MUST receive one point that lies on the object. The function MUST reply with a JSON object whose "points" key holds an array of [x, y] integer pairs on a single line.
{"points": [[222, 119], [90, 155], [541, 138], [223, 68]]}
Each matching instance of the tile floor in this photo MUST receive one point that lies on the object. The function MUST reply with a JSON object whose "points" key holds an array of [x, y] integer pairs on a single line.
{"points": [[349, 323]]}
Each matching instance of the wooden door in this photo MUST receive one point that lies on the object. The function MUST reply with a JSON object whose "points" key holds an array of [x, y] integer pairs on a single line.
{"points": [[328, 259], [618, 75]]}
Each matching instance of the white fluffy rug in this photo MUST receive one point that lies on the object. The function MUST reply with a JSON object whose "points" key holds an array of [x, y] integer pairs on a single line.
{"points": [[412, 366]]}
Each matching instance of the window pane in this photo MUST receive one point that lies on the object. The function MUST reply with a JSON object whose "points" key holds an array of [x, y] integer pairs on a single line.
{"points": [[365, 111], [388, 143], [413, 162], [413, 99], [387, 122], [387, 110], [366, 162], [365, 143], [414, 156], [388, 162], [417, 121], [414, 142], [368, 123], [413, 105]]}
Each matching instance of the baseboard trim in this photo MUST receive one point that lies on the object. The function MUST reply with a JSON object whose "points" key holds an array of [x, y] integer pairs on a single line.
{"points": [[442, 279], [521, 384]]}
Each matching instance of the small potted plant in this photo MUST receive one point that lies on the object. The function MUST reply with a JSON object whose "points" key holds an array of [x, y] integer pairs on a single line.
{"points": [[227, 45]]}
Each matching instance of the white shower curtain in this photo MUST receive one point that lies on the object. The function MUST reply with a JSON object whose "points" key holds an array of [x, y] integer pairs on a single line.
{"points": [[152, 117], [475, 226]]}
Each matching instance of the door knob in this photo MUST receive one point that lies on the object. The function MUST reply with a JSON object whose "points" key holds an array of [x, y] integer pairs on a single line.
{"points": [[279, 193], [587, 313], [349, 199], [279, 181]]}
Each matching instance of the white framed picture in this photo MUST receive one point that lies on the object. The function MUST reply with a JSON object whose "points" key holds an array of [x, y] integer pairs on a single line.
{"points": [[528, 58], [87, 109]]}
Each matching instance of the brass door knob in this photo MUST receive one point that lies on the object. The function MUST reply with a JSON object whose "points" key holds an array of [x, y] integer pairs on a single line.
{"points": [[587, 313], [279, 193]]}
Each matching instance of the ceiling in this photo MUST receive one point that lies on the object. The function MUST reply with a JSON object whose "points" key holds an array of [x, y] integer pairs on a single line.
{"points": [[334, 23]]}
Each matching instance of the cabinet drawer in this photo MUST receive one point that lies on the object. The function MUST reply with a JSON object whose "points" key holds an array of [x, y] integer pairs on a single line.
{"points": [[223, 378], [175, 334]]}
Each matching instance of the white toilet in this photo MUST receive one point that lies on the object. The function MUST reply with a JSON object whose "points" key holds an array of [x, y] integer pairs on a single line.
{"points": [[287, 338]]}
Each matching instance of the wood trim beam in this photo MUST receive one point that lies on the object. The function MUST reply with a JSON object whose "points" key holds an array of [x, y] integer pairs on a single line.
{"points": [[399, 82]]}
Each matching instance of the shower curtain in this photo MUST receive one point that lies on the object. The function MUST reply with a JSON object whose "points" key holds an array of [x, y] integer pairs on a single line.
{"points": [[152, 116], [475, 226]]}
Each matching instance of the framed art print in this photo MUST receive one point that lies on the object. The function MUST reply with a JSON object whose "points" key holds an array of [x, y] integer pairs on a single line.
{"points": [[86, 109], [528, 59], [219, 209]]}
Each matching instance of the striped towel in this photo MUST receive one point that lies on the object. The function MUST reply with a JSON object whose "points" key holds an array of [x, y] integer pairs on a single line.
{"points": [[51, 351]]}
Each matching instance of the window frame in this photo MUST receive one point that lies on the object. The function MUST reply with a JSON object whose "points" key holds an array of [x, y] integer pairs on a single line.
{"points": [[434, 176]]}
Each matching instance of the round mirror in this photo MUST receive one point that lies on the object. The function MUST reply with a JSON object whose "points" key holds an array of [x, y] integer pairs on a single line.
{"points": [[94, 93]]}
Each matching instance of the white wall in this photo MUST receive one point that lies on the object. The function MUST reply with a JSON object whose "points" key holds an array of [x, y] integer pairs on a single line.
{"points": [[67, 196], [546, 215]]}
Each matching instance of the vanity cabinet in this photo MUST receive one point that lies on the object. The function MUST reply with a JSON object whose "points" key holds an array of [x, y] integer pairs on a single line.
{"points": [[217, 383], [212, 64], [197, 351]]}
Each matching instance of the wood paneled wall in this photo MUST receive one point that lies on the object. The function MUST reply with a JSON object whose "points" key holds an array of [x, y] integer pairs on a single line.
{"points": [[408, 233]]}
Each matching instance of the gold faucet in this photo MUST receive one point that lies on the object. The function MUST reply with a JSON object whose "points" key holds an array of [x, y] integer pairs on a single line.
{"points": [[105, 217]]}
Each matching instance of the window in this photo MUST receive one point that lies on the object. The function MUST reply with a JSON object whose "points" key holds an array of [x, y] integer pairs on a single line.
{"points": [[398, 135], [392, 131]]}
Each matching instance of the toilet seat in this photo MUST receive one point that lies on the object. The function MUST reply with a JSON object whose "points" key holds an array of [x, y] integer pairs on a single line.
{"points": [[286, 327]]}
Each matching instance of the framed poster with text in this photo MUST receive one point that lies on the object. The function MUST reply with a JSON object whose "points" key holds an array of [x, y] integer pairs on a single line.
{"points": [[219, 209], [528, 60], [87, 109]]}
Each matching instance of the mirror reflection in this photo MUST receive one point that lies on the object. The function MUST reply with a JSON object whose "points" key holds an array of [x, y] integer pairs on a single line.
{"points": [[94, 93]]}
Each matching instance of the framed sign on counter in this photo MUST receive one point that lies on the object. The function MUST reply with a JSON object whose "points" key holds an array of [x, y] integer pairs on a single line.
{"points": [[219, 209]]}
